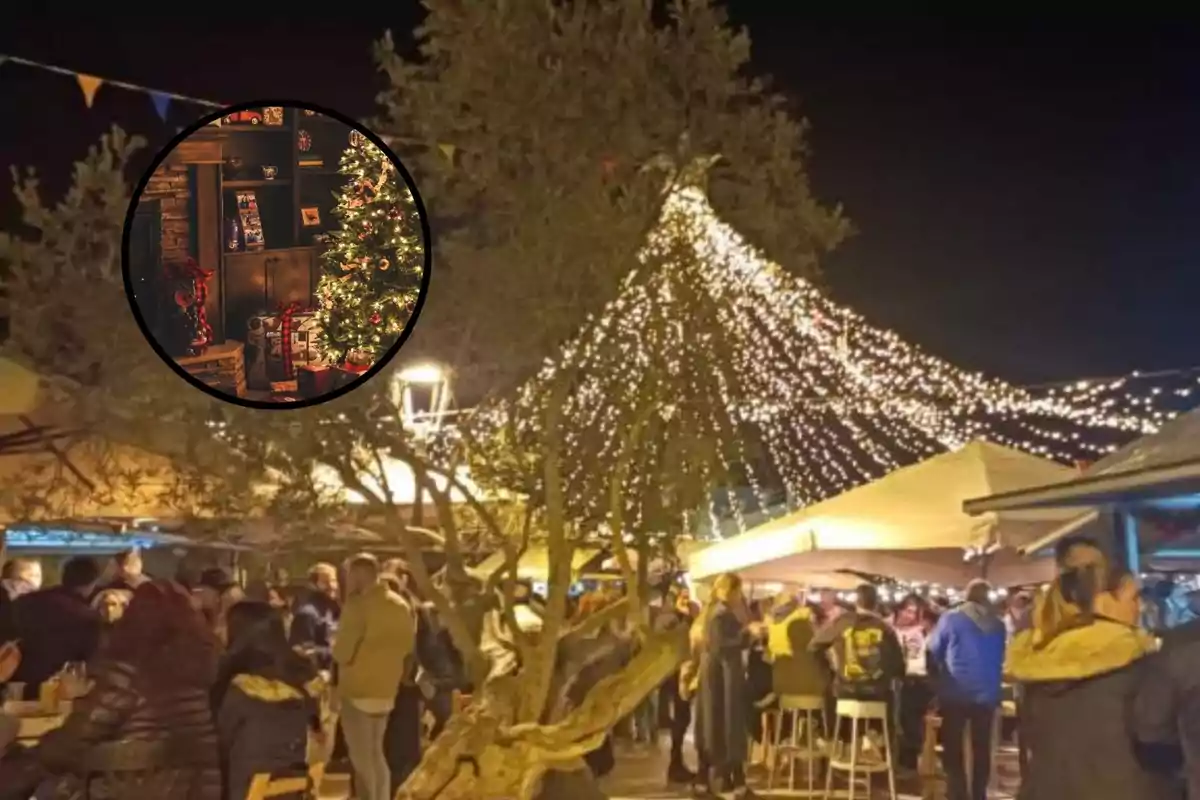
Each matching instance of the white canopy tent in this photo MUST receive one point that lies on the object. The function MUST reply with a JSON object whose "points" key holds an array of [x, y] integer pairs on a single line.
{"points": [[908, 525]]}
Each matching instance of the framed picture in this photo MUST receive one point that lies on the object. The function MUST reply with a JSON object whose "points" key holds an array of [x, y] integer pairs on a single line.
{"points": [[310, 217], [273, 115]]}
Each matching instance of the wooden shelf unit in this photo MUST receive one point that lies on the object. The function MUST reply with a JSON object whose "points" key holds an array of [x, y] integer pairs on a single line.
{"points": [[287, 269]]}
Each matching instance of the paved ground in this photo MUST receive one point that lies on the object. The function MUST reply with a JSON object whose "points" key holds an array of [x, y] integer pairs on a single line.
{"points": [[641, 769]]}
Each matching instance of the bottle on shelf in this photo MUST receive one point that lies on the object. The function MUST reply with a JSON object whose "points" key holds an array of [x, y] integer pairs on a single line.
{"points": [[234, 241]]}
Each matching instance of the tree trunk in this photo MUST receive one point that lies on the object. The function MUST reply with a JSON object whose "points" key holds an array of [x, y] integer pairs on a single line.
{"points": [[483, 755]]}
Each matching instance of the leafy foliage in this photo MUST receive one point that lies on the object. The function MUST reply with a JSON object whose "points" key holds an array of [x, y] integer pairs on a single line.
{"points": [[537, 173]]}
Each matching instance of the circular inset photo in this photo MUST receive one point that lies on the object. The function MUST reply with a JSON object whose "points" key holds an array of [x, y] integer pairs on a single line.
{"points": [[276, 254]]}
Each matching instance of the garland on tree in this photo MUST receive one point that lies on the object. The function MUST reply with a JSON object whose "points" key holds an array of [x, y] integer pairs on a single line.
{"points": [[373, 267]]}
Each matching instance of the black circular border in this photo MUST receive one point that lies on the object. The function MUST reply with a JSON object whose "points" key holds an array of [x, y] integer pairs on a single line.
{"points": [[426, 235]]}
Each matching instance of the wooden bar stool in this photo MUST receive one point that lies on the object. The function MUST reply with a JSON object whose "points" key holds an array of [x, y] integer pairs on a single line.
{"points": [[929, 768], [858, 713], [803, 740], [763, 749]]}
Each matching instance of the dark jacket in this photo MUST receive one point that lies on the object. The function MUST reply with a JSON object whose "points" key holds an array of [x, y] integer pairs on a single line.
{"points": [[723, 702], [127, 741], [1078, 690], [55, 626], [314, 624], [856, 638], [1166, 708], [795, 670], [966, 655], [435, 654], [263, 724]]}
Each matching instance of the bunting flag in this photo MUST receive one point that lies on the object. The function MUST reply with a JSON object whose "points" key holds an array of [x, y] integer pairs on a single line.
{"points": [[162, 102], [89, 84]]}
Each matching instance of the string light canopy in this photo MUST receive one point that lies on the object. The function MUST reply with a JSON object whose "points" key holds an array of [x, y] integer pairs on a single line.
{"points": [[758, 380]]}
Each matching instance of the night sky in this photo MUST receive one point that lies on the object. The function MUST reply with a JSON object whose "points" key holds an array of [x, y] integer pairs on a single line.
{"points": [[1027, 196]]}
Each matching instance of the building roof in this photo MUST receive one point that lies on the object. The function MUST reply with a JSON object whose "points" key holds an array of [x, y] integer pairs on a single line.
{"points": [[1162, 468]]}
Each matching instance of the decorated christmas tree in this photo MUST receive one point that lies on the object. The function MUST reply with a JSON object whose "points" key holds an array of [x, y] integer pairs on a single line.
{"points": [[373, 267]]}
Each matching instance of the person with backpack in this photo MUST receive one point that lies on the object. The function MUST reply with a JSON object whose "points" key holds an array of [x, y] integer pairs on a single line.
{"points": [[867, 657], [868, 661]]}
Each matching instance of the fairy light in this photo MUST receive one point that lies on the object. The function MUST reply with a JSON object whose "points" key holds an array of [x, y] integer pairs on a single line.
{"points": [[763, 356]]}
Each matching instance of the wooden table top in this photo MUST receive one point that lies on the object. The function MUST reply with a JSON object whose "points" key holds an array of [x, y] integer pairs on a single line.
{"points": [[227, 348]]}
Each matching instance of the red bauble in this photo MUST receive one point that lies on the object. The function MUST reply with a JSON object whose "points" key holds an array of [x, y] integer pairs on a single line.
{"points": [[376, 319]]}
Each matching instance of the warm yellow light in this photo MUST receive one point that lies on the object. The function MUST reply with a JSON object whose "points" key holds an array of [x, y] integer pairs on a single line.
{"points": [[422, 373]]}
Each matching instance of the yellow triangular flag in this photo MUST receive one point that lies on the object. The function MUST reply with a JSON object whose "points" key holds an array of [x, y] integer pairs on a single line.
{"points": [[89, 84], [447, 151]]}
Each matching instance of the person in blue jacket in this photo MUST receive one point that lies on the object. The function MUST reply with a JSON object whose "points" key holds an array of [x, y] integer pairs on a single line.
{"points": [[966, 664]]}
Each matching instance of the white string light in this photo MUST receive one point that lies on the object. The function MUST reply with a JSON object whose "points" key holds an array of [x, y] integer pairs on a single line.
{"points": [[765, 357]]}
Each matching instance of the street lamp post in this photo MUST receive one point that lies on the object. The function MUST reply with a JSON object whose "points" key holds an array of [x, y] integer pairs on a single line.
{"points": [[422, 394]]}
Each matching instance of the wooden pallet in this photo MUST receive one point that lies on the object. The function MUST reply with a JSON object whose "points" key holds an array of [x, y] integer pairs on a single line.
{"points": [[222, 366]]}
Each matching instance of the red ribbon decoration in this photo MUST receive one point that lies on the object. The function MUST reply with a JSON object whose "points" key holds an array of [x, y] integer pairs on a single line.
{"points": [[189, 270], [286, 312]]}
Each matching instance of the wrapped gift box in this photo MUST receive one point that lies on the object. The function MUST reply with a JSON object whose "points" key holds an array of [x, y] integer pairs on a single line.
{"points": [[344, 375], [265, 363], [315, 380]]}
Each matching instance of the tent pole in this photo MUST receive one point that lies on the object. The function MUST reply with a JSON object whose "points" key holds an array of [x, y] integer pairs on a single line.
{"points": [[1127, 532]]}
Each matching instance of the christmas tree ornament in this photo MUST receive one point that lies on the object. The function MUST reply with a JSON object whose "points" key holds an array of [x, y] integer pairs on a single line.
{"points": [[371, 271], [357, 139]]}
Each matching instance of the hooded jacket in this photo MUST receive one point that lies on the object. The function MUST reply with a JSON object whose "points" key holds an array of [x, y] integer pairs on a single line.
{"points": [[1079, 687], [966, 655], [263, 726]]}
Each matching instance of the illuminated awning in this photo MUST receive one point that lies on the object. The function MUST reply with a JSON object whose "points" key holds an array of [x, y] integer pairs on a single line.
{"points": [[907, 522]]}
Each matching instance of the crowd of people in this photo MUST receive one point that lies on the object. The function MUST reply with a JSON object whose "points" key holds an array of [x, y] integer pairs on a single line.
{"points": [[198, 684], [1105, 708]]}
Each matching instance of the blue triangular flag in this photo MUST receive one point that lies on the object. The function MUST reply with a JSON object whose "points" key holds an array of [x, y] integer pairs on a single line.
{"points": [[161, 103]]}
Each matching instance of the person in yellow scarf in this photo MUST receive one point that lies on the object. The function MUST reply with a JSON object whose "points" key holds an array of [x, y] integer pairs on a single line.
{"points": [[1079, 666]]}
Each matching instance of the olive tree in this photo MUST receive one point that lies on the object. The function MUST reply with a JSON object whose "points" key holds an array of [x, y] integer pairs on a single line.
{"points": [[546, 140]]}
